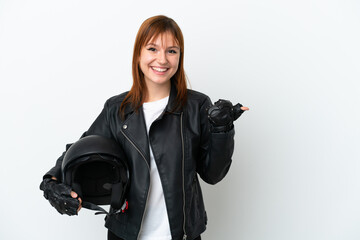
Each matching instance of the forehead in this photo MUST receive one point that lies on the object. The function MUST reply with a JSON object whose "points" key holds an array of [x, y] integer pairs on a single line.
{"points": [[163, 39]]}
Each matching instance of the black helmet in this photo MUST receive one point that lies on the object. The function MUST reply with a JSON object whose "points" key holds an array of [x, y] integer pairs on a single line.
{"points": [[96, 168]]}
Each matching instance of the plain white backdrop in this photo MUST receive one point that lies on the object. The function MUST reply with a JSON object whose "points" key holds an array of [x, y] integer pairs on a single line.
{"points": [[296, 64]]}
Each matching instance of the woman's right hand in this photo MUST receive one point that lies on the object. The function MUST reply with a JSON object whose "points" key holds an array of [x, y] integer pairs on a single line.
{"points": [[73, 195], [61, 196]]}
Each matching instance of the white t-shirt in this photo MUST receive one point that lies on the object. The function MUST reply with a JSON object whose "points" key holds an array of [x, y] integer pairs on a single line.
{"points": [[155, 225]]}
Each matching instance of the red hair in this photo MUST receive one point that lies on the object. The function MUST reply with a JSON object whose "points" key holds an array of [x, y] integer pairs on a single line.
{"points": [[151, 28]]}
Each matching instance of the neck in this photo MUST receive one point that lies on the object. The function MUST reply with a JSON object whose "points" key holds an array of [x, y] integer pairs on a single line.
{"points": [[156, 92]]}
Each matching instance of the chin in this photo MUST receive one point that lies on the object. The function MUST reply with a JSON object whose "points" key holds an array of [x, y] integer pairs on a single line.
{"points": [[160, 81]]}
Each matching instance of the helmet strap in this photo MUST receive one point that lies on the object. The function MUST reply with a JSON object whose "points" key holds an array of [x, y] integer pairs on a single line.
{"points": [[95, 207], [117, 195]]}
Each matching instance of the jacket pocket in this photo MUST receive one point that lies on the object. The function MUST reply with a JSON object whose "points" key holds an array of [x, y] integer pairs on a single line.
{"points": [[195, 205]]}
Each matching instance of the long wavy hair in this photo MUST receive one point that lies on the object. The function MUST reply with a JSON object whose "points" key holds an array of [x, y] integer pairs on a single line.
{"points": [[151, 28]]}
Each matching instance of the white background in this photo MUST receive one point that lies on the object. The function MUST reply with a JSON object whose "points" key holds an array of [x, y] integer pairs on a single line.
{"points": [[296, 64]]}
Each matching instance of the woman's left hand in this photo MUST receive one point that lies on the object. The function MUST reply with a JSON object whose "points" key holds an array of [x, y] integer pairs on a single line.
{"points": [[223, 113]]}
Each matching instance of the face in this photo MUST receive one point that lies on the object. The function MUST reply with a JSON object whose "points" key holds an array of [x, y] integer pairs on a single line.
{"points": [[159, 60]]}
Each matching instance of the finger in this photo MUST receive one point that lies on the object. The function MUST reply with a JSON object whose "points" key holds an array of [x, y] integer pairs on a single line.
{"points": [[72, 206], [80, 201], [244, 108], [73, 194]]}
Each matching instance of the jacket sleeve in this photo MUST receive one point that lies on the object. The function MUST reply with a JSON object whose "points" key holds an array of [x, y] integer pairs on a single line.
{"points": [[100, 126], [215, 151]]}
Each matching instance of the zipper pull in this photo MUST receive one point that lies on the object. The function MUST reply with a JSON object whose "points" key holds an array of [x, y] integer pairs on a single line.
{"points": [[184, 237]]}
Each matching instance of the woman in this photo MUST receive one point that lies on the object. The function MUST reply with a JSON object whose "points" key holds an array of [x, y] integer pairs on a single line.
{"points": [[169, 134]]}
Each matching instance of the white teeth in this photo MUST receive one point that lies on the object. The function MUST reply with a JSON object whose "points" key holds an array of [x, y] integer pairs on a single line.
{"points": [[159, 69]]}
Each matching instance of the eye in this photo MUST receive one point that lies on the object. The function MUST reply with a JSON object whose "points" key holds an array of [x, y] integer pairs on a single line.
{"points": [[172, 51], [152, 49]]}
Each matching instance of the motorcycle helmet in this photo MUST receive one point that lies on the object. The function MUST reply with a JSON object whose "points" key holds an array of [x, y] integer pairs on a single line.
{"points": [[96, 169]]}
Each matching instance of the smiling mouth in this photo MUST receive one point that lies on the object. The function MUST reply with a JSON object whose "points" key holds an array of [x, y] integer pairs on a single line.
{"points": [[160, 70]]}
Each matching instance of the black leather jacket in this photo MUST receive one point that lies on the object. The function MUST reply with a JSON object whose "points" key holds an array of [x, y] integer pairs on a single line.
{"points": [[182, 145]]}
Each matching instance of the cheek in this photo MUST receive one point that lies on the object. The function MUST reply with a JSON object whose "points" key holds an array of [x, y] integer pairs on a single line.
{"points": [[176, 63], [145, 58], [144, 62], [175, 60]]}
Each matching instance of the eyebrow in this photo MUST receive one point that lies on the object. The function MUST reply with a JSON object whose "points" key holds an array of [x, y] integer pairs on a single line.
{"points": [[153, 44]]}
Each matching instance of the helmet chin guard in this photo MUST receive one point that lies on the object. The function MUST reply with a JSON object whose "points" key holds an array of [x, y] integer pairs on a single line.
{"points": [[97, 170]]}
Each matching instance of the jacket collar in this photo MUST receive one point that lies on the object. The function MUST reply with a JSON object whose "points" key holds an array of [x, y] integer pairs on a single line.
{"points": [[172, 100], [170, 107]]}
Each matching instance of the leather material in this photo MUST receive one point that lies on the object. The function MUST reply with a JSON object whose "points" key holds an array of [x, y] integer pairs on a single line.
{"points": [[183, 146], [222, 115], [59, 196]]}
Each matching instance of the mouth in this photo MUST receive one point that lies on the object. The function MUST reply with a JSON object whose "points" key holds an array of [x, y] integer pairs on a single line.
{"points": [[159, 70]]}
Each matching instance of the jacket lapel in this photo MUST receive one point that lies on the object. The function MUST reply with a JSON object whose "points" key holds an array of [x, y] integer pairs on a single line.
{"points": [[135, 129], [134, 126]]}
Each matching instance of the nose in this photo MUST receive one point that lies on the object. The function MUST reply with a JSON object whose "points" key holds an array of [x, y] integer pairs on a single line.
{"points": [[162, 59]]}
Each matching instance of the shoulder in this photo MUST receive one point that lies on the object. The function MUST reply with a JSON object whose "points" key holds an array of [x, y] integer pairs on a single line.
{"points": [[195, 97], [116, 100]]}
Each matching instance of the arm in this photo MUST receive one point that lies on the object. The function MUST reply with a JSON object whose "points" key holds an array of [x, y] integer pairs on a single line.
{"points": [[217, 139], [59, 194]]}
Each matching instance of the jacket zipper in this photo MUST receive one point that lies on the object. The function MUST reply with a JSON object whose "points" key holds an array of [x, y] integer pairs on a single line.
{"points": [[183, 173], [147, 196]]}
